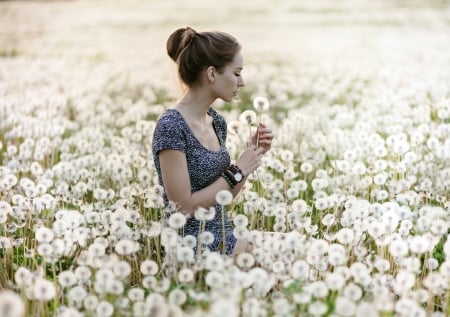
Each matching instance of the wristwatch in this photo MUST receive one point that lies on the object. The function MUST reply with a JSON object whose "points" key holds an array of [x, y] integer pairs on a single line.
{"points": [[237, 173], [233, 175]]}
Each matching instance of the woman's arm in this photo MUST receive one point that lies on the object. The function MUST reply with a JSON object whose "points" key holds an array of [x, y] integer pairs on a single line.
{"points": [[177, 183]]}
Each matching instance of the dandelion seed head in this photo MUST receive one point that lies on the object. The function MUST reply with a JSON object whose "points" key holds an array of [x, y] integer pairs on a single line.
{"points": [[261, 104], [177, 220], [11, 304]]}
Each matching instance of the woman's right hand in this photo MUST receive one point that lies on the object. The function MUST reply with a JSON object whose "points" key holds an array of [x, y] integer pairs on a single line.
{"points": [[250, 159]]}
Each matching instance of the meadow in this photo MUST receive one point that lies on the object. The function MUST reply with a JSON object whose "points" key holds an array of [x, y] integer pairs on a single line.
{"points": [[348, 215]]}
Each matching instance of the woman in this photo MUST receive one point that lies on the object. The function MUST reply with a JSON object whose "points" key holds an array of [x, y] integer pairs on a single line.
{"points": [[189, 148]]}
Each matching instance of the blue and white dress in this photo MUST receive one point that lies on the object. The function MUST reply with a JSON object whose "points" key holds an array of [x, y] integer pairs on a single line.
{"points": [[204, 167]]}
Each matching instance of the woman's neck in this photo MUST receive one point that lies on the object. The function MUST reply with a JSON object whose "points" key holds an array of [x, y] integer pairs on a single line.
{"points": [[194, 105]]}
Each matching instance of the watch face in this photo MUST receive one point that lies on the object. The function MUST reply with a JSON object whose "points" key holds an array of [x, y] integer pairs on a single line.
{"points": [[238, 177]]}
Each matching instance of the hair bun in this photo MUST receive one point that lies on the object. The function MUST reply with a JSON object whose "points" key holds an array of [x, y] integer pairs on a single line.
{"points": [[179, 40]]}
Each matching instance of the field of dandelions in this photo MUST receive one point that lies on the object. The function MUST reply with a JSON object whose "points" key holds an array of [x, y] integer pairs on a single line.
{"points": [[348, 215]]}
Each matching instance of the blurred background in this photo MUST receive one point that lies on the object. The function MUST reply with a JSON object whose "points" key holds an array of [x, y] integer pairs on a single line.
{"points": [[133, 33]]}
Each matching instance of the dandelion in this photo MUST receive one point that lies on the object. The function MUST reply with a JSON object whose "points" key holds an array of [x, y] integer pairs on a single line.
{"points": [[149, 267], [121, 269], [77, 294], [206, 237], [177, 297], [44, 290], [224, 197], [67, 279], [126, 247], [261, 104], [353, 292], [104, 309], [248, 117], [344, 306], [185, 254], [44, 249], [214, 262], [90, 302], [136, 294], [365, 309], [177, 220], [44, 235], [345, 236], [335, 281], [215, 280], [11, 304], [317, 308], [418, 244], [398, 248], [245, 260], [21, 276], [82, 273], [185, 275]]}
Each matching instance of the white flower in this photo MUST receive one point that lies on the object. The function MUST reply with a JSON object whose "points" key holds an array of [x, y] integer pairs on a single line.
{"points": [[149, 267], [365, 309], [353, 292], [189, 241], [344, 306], [67, 278], [136, 294], [126, 247], [215, 280], [21, 276], [317, 308], [121, 269], [104, 309], [177, 220], [214, 262], [398, 248], [11, 304], [224, 197], [261, 104], [185, 275], [245, 260], [90, 302], [345, 235], [44, 235], [185, 254], [335, 281], [77, 294], [248, 117], [300, 270], [206, 237], [177, 297], [44, 290]]}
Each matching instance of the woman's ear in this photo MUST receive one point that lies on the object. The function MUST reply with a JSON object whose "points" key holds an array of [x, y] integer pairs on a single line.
{"points": [[211, 74]]}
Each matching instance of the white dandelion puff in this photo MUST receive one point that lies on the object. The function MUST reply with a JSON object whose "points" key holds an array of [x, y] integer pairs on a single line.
{"points": [[261, 104], [44, 235], [149, 267], [11, 304], [248, 117], [177, 220], [126, 247], [44, 290], [224, 197]]}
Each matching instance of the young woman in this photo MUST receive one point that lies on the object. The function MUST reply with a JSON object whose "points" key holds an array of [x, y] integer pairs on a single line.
{"points": [[189, 148]]}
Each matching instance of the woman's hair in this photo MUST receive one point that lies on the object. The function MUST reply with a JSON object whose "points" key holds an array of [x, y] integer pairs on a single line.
{"points": [[193, 52]]}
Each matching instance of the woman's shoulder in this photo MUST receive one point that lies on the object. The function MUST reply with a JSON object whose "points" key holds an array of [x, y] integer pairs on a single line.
{"points": [[217, 117], [169, 116]]}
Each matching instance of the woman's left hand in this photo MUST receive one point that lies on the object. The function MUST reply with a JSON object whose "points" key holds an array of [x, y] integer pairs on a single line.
{"points": [[263, 137]]}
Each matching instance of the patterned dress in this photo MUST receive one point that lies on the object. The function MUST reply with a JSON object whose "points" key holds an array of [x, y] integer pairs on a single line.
{"points": [[204, 167]]}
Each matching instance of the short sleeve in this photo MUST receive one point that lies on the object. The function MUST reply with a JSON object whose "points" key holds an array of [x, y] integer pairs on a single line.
{"points": [[220, 125], [168, 135]]}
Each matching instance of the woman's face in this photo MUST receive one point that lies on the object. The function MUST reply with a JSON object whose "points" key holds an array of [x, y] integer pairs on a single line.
{"points": [[229, 81]]}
